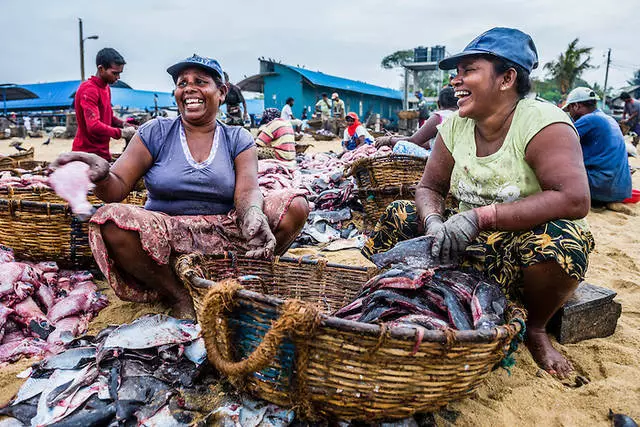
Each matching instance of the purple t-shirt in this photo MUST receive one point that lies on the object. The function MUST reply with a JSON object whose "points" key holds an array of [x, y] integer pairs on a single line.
{"points": [[176, 184]]}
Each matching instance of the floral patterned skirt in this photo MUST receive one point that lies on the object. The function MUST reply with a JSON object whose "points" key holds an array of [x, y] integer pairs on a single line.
{"points": [[500, 255], [162, 235]]}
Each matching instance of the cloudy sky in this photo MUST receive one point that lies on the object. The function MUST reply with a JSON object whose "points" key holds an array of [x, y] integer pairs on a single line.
{"points": [[344, 38]]}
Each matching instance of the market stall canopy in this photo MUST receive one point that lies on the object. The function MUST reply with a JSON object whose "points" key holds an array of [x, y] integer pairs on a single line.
{"points": [[12, 92]]}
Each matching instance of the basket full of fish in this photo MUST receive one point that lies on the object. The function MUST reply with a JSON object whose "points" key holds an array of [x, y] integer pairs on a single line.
{"points": [[409, 339], [40, 225]]}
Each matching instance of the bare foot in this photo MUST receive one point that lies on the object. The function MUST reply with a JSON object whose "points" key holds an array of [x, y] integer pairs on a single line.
{"points": [[545, 355], [621, 208]]}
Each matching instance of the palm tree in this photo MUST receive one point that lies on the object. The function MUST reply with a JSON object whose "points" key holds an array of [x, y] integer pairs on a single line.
{"points": [[569, 66]]}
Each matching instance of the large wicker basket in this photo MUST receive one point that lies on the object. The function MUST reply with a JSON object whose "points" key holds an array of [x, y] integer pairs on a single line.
{"points": [[293, 353], [302, 147], [39, 226], [35, 167], [322, 137]]}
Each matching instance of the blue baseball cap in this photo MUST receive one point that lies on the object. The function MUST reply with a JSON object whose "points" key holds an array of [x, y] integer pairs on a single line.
{"points": [[208, 64], [506, 43]]}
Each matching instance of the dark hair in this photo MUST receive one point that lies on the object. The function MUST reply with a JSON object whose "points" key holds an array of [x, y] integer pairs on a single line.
{"points": [[592, 103], [447, 98], [289, 100], [625, 96], [108, 57], [324, 94], [501, 66]]}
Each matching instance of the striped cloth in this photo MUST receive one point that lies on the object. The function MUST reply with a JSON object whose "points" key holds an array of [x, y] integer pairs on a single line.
{"points": [[278, 135]]}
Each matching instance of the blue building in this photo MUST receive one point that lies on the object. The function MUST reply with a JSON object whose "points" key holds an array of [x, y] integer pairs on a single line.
{"points": [[57, 96], [280, 81]]}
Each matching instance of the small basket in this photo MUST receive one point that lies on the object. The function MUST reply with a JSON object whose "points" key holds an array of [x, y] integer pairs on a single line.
{"points": [[295, 354], [298, 137], [385, 171], [375, 201], [39, 226], [408, 114], [301, 148], [321, 137]]}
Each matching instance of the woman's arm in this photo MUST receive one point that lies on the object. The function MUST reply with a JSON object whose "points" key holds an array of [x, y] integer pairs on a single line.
{"points": [[434, 185], [134, 162], [427, 131], [247, 192], [555, 156]]}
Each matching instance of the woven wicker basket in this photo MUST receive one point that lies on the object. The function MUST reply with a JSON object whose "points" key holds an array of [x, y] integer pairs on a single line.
{"points": [[408, 114], [9, 162], [301, 148], [381, 180], [295, 354], [38, 226], [321, 137]]}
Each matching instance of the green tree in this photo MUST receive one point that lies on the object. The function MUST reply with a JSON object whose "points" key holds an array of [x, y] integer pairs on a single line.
{"points": [[636, 79], [569, 66], [397, 58]]}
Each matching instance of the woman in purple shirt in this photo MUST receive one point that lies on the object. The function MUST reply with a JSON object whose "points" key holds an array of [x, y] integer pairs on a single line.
{"points": [[203, 194]]}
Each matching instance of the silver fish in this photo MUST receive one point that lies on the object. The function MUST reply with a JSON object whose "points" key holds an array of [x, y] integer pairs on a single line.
{"points": [[152, 331], [73, 358]]}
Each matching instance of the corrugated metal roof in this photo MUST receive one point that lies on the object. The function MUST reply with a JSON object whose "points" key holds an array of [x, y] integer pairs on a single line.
{"points": [[59, 95], [321, 79], [140, 99]]}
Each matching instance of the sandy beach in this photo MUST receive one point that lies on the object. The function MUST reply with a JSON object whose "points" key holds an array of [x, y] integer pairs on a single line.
{"points": [[527, 396]]}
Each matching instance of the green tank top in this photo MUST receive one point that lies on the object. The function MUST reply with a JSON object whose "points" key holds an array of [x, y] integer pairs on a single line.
{"points": [[503, 176]]}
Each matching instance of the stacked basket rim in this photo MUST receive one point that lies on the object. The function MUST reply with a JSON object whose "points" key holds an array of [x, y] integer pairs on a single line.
{"points": [[9, 162], [39, 226], [295, 354], [384, 179]]}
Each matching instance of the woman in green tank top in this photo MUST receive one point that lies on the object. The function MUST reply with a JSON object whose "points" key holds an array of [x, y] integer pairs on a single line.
{"points": [[516, 168]]}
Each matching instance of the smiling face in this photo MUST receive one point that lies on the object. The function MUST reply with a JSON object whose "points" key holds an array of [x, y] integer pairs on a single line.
{"points": [[477, 87], [197, 96]]}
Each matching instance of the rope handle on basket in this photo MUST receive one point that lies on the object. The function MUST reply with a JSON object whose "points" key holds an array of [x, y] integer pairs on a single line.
{"points": [[297, 318]]}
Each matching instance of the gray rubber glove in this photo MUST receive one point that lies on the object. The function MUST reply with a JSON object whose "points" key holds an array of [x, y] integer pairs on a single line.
{"points": [[432, 224], [455, 235], [127, 133], [256, 231]]}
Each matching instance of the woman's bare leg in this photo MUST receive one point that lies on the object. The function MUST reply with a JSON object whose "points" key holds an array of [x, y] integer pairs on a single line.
{"points": [[131, 259], [290, 226], [546, 288]]}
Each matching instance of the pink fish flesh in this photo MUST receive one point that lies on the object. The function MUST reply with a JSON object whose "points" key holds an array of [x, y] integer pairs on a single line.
{"points": [[30, 315], [72, 183], [6, 254], [67, 329], [46, 296], [14, 350], [74, 304], [18, 278], [47, 267]]}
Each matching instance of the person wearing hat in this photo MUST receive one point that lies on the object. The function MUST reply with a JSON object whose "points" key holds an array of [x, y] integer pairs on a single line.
{"points": [[202, 194], [355, 135], [603, 148], [515, 166], [338, 107]]}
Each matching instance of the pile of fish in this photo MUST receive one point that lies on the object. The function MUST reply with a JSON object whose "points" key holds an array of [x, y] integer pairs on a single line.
{"points": [[8, 179], [149, 372], [42, 307], [415, 290]]}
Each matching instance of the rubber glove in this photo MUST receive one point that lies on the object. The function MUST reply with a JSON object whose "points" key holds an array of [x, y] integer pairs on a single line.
{"points": [[256, 231], [455, 235]]}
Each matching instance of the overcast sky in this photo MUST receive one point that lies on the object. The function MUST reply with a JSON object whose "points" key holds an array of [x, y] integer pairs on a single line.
{"points": [[344, 38]]}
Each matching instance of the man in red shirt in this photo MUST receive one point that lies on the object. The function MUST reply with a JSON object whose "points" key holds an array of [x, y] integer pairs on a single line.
{"points": [[96, 122]]}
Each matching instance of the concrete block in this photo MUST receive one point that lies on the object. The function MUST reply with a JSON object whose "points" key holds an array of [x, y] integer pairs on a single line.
{"points": [[590, 313]]}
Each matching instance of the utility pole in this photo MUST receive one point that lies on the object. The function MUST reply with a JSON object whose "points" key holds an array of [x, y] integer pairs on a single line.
{"points": [[606, 78], [81, 50], [82, 39]]}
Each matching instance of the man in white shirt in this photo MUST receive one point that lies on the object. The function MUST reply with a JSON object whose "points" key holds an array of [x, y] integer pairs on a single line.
{"points": [[287, 114]]}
